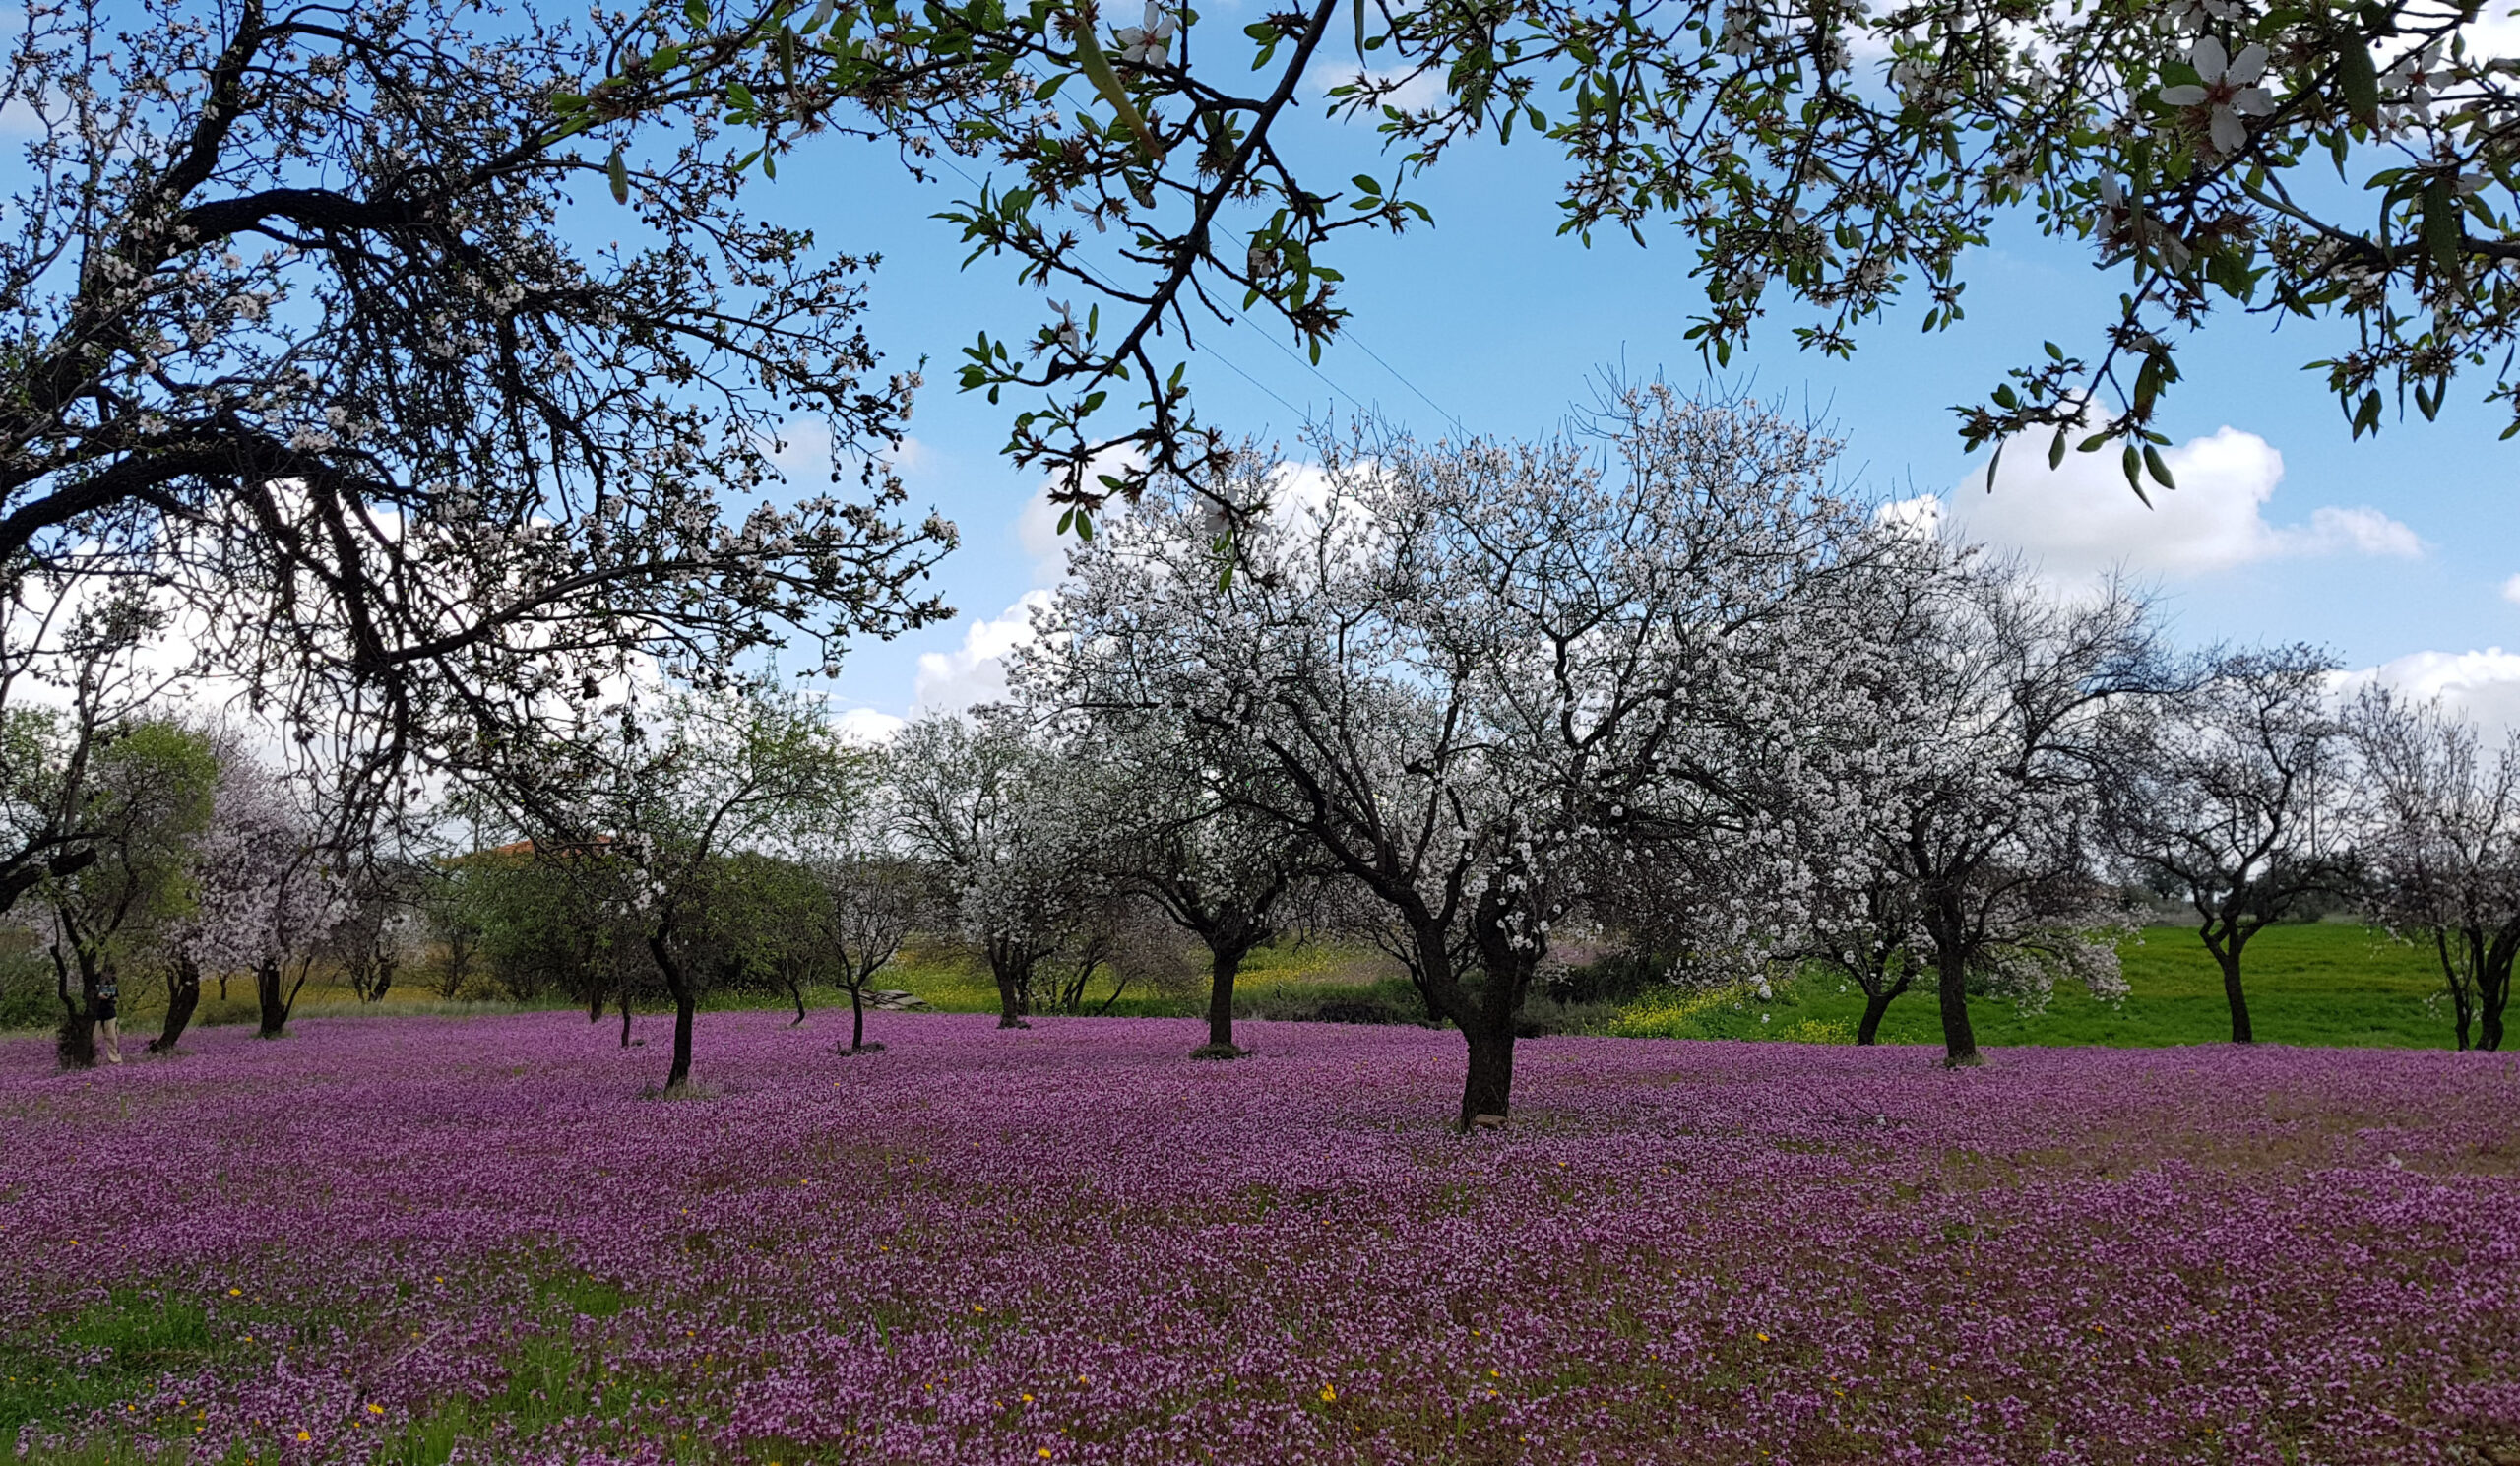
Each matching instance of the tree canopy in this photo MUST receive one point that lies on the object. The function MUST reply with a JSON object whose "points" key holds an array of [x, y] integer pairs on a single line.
{"points": [[1827, 159]]}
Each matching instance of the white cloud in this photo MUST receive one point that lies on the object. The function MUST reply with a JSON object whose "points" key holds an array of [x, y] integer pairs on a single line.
{"points": [[867, 729], [2081, 520], [2485, 685], [975, 672], [2511, 590], [2362, 530]]}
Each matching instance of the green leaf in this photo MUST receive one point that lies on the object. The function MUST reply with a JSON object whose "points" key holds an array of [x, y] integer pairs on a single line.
{"points": [[2357, 79], [2154, 466], [2441, 228], [697, 12], [2133, 463], [619, 173], [1365, 184], [2057, 451]]}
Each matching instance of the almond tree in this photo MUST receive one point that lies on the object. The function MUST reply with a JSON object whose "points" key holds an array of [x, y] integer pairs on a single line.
{"points": [[2440, 831], [267, 892], [1170, 827], [296, 339], [980, 801], [870, 903], [1469, 669], [1830, 158], [149, 796], [1998, 735], [662, 801], [2234, 800]]}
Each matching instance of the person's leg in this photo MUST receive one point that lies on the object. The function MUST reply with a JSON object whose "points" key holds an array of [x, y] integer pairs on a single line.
{"points": [[109, 1038]]}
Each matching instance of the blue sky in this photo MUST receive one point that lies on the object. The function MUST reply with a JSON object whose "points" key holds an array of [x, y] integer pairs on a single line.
{"points": [[2395, 550]]}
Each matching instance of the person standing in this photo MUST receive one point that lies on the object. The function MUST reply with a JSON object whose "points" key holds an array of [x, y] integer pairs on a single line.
{"points": [[107, 1010]]}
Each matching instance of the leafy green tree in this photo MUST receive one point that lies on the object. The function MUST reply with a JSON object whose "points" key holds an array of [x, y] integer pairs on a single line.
{"points": [[2345, 163], [662, 801], [148, 800]]}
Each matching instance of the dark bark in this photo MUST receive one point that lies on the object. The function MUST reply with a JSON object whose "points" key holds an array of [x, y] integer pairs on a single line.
{"points": [[2494, 994], [796, 991], [1951, 988], [1876, 1002], [1954, 940], [1009, 965], [2224, 937], [275, 998], [2229, 960], [76, 1042], [2460, 1015], [1225, 965], [625, 1012], [183, 995], [686, 1004], [856, 1016], [1490, 1015], [1489, 1088], [28, 870]]}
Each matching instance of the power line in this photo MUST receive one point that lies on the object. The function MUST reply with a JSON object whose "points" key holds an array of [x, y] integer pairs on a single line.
{"points": [[1350, 336], [1337, 391]]}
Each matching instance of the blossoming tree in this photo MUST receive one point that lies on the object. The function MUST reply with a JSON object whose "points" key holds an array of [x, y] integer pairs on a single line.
{"points": [[1470, 670], [2441, 834], [294, 339], [1834, 157], [2236, 800]]}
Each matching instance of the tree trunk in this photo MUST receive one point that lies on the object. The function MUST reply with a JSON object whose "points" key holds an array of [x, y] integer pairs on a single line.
{"points": [[1876, 1004], [856, 1016], [183, 994], [2459, 1015], [686, 1004], [2229, 959], [797, 990], [2224, 937], [75, 1043], [2494, 994], [1489, 1087], [1002, 965], [1951, 987], [275, 1004], [1225, 965], [625, 1012]]}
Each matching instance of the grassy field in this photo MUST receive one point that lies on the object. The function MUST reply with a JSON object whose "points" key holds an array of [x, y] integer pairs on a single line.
{"points": [[2320, 984]]}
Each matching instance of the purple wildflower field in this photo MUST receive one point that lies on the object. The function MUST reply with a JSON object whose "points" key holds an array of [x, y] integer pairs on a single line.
{"points": [[414, 1238]]}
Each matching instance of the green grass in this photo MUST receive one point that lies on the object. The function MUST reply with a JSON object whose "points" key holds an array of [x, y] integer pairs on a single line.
{"points": [[1282, 977], [120, 1348], [2318, 985], [108, 1350], [2322, 984]]}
